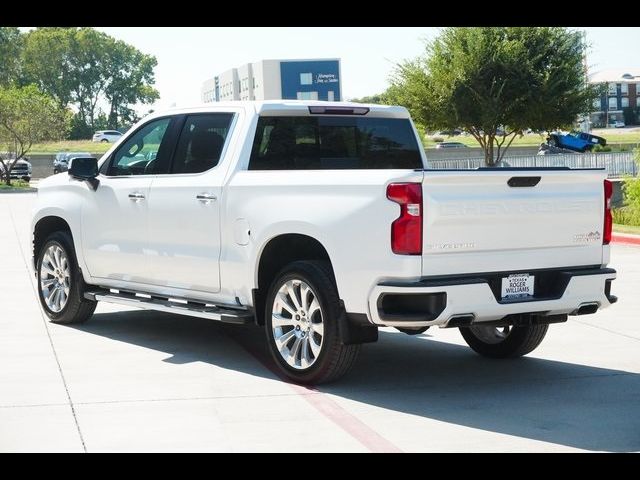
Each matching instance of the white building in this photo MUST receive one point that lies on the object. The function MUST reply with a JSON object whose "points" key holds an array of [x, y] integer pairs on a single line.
{"points": [[315, 79]]}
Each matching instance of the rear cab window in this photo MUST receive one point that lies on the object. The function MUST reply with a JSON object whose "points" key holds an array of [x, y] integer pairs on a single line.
{"points": [[330, 142]]}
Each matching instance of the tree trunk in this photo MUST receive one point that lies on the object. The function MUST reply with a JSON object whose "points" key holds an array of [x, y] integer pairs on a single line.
{"points": [[113, 115], [488, 153]]}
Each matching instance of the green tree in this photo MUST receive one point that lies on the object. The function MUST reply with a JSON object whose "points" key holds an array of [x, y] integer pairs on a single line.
{"points": [[496, 82], [131, 77], [27, 116], [83, 67], [378, 98], [89, 70], [10, 48], [48, 63]]}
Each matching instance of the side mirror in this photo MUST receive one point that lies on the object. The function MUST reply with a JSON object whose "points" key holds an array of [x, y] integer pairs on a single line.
{"points": [[85, 168]]}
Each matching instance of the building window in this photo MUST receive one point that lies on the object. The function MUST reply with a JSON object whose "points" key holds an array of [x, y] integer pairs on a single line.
{"points": [[307, 95], [613, 103], [625, 102], [306, 79], [331, 96], [253, 82], [612, 89], [624, 88]]}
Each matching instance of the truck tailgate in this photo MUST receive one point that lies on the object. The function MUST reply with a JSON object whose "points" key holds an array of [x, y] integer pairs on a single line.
{"points": [[474, 221]]}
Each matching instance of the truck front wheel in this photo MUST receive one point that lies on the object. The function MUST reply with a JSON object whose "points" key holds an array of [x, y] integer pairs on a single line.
{"points": [[504, 342], [302, 315], [60, 283]]}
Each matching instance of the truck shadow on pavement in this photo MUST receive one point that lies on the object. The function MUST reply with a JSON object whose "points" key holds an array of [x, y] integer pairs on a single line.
{"points": [[562, 403]]}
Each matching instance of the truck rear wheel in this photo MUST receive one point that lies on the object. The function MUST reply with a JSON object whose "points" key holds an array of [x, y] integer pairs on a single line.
{"points": [[60, 283], [302, 315], [504, 342]]}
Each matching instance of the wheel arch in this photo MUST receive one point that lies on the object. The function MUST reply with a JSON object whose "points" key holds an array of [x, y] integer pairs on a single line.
{"points": [[44, 227], [278, 252]]}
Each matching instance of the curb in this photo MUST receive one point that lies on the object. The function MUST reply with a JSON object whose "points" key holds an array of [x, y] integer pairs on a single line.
{"points": [[625, 239], [18, 190]]}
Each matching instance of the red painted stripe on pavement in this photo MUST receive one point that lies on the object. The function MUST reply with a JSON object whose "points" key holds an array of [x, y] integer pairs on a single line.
{"points": [[626, 239], [355, 427]]}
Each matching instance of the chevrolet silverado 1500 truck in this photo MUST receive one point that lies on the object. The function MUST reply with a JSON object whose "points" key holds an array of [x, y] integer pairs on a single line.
{"points": [[321, 222]]}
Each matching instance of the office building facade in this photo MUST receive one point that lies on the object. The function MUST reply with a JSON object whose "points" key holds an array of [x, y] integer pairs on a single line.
{"points": [[316, 79]]}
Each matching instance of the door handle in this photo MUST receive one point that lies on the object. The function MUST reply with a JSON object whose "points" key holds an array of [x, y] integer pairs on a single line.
{"points": [[206, 197], [136, 196]]}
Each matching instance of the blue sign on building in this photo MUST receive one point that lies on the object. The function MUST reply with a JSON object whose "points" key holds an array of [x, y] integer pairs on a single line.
{"points": [[310, 80]]}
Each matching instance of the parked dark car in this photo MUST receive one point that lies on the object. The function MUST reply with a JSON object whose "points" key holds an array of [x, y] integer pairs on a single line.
{"points": [[576, 141], [449, 133], [62, 159], [21, 169]]}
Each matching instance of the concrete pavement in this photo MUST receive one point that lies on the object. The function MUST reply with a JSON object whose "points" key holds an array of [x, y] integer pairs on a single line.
{"points": [[131, 380]]}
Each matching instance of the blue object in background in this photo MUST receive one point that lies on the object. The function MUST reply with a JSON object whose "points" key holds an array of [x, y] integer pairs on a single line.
{"points": [[306, 77]]}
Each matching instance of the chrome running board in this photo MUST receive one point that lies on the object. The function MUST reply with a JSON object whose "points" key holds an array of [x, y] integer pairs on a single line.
{"points": [[192, 308]]}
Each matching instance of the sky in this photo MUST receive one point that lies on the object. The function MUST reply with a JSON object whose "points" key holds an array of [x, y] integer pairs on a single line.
{"points": [[189, 56]]}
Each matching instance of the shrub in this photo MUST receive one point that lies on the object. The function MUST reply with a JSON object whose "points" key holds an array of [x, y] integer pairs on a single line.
{"points": [[600, 148], [627, 215], [631, 191], [630, 213], [438, 139]]}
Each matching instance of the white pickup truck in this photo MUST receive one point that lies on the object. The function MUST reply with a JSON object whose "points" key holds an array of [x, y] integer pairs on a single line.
{"points": [[322, 222]]}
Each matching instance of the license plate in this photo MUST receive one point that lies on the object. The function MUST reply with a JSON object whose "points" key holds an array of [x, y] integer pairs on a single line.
{"points": [[519, 285]]}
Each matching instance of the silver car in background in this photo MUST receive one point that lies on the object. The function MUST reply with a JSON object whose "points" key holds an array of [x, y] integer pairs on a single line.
{"points": [[62, 159]]}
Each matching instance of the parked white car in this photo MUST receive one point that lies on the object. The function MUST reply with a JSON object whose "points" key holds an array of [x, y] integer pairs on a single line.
{"points": [[109, 136], [320, 222]]}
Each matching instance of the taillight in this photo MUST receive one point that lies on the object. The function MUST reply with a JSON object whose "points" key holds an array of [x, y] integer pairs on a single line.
{"points": [[608, 219], [406, 230]]}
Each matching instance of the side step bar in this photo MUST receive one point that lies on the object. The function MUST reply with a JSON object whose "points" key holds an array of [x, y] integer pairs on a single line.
{"points": [[194, 309]]}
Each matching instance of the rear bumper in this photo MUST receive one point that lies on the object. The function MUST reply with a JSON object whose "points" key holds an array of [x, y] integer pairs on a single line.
{"points": [[476, 298]]}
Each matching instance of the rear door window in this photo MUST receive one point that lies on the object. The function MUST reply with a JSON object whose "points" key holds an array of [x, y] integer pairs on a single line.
{"points": [[201, 142]]}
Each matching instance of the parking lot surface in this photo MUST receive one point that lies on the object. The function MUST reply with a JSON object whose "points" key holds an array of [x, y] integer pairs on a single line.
{"points": [[132, 380]]}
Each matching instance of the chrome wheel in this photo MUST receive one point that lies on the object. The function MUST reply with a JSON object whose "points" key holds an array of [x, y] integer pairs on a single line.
{"points": [[297, 324], [489, 334], [55, 278]]}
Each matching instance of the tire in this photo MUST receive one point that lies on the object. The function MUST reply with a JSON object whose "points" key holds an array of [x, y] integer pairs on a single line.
{"points": [[59, 259], [314, 339], [56, 171], [504, 342], [104, 140]]}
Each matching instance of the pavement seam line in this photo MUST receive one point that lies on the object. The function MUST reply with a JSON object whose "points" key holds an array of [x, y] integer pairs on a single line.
{"points": [[606, 329], [306, 392], [46, 327]]}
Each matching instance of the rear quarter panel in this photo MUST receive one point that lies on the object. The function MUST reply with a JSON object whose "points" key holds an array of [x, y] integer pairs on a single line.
{"points": [[345, 210]]}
